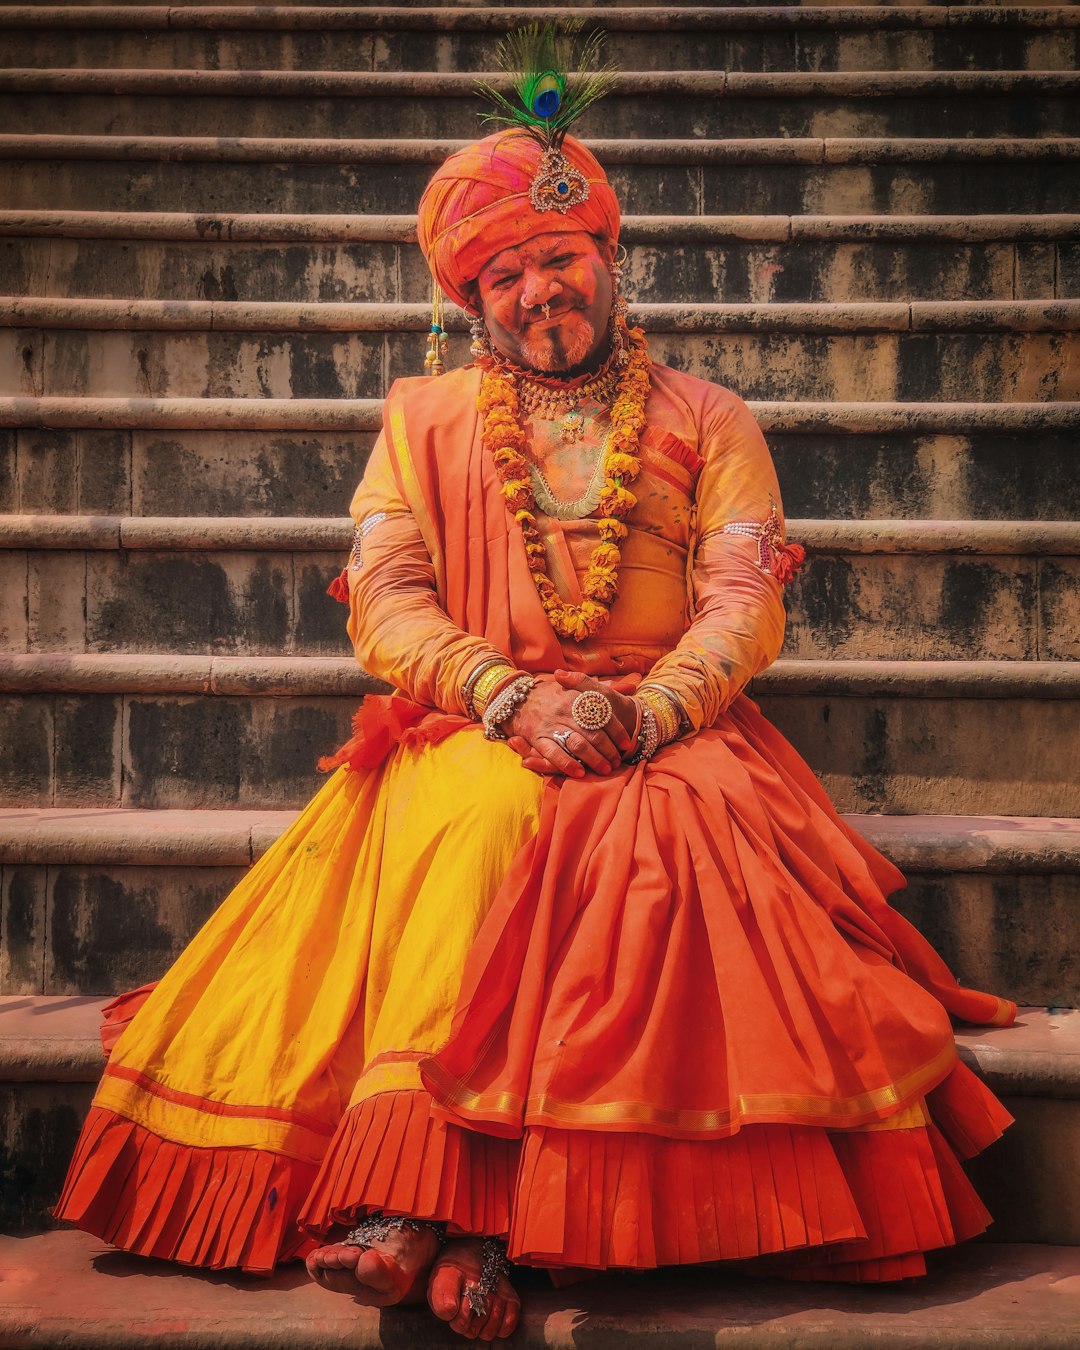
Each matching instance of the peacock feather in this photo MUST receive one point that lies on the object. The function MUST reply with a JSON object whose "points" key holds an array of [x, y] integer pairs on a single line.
{"points": [[537, 60]]}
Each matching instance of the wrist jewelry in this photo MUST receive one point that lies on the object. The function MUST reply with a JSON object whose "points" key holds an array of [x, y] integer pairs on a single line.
{"points": [[490, 679], [669, 723], [649, 739], [505, 703], [468, 688]]}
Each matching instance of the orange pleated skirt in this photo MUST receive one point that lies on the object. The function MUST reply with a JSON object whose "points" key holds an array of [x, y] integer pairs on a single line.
{"points": [[665, 1017]]}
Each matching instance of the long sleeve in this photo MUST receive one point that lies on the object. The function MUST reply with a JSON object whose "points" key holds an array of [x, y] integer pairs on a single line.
{"points": [[737, 614], [399, 631]]}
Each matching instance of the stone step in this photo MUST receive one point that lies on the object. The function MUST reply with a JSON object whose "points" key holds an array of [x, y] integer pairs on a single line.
{"points": [[835, 475], [677, 260], [917, 589], [956, 350], [50, 1058], [706, 177], [1000, 590], [98, 900], [886, 466], [418, 104], [160, 732], [992, 1296], [747, 38]]}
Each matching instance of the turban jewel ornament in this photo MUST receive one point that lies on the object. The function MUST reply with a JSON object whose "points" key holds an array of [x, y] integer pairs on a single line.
{"points": [[549, 102]]}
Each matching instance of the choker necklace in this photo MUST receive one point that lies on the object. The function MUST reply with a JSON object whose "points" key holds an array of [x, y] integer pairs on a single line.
{"points": [[552, 398]]}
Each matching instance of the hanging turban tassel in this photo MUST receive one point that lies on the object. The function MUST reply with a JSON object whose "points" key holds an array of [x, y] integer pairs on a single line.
{"points": [[433, 361]]}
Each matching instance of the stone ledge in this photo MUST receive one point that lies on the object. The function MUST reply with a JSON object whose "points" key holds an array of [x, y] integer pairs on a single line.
{"points": [[455, 19], [758, 150], [982, 538], [1002, 845], [310, 414], [233, 228], [232, 316], [54, 1038], [322, 676], [984, 1297], [442, 85]]}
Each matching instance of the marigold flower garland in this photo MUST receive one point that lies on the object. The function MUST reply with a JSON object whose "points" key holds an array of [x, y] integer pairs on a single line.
{"points": [[504, 438]]}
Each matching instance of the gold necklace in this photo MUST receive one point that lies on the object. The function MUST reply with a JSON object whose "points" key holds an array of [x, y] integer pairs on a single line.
{"points": [[555, 400], [580, 507]]}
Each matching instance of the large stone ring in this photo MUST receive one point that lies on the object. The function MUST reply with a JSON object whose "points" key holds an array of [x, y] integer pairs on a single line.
{"points": [[591, 710]]}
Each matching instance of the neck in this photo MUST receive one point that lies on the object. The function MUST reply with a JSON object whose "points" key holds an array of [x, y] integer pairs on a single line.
{"points": [[596, 364]]}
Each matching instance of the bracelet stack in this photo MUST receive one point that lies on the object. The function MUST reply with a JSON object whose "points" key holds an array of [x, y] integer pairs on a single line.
{"points": [[482, 683], [648, 737], [668, 714], [504, 704]]}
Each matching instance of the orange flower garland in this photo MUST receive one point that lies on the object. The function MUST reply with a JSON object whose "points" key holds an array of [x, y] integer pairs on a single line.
{"points": [[505, 440]]}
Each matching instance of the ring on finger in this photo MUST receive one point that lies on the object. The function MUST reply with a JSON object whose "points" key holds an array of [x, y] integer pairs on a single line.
{"points": [[591, 710], [563, 738]]}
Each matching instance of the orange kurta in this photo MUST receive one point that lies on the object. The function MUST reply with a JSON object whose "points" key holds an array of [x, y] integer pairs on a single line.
{"points": [[661, 1016]]}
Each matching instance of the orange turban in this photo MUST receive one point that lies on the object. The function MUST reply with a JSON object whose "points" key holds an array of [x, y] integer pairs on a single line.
{"points": [[478, 203]]}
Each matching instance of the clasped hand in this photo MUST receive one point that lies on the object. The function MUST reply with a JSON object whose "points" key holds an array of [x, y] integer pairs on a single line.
{"points": [[547, 710]]}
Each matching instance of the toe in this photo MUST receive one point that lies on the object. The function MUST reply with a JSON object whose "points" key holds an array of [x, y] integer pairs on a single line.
{"points": [[444, 1292], [489, 1328], [510, 1316]]}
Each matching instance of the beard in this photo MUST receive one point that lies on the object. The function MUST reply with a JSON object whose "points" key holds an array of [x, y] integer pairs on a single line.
{"points": [[562, 348]]}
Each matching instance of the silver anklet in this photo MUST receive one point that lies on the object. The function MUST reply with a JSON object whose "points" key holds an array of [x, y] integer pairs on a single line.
{"points": [[377, 1227], [494, 1266]]}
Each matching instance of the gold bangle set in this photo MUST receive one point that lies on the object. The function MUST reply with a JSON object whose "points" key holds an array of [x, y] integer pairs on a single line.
{"points": [[668, 718], [488, 681]]}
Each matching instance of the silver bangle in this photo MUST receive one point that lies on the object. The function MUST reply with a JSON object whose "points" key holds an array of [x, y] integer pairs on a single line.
{"points": [[505, 703], [649, 739]]}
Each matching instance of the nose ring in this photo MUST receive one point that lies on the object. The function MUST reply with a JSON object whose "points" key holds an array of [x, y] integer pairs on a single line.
{"points": [[547, 310]]}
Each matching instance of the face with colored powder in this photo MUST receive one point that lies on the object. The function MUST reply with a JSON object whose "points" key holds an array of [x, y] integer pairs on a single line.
{"points": [[547, 302]]}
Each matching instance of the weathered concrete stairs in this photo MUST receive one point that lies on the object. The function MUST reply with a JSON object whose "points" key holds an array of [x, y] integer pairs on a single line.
{"points": [[861, 219]]}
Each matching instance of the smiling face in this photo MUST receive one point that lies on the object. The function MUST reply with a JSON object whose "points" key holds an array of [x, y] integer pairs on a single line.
{"points": [[569, 273]]}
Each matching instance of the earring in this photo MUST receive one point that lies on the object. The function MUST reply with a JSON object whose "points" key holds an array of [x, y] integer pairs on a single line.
{"points": [[619, 349], [481, 343]]}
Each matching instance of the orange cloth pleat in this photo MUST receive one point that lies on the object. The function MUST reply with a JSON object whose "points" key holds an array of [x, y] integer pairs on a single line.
{"points": [[391, 1152], [214, 1207], [713, 888], [818, 1204]]}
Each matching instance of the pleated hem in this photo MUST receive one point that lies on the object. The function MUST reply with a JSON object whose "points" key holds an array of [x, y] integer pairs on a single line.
{"points": [[791, 1200], [210, 1207]]}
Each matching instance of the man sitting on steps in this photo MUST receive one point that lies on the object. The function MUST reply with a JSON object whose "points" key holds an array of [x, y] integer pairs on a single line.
{"points": [[571, 963]]}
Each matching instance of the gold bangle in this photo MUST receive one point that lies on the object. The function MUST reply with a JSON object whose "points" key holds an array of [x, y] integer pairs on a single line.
{"points": [[486, 685], [668, 721]]}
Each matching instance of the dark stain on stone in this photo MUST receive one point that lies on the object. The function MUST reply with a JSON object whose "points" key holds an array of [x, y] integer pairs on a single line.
{"points": [[87, 754], [22, 920], [185, 601], [971, 591], [1023, 478], [321, 621], [870, 782], [823, 605], [110, 932], [26, 735], [186, 752], [217, 284], [44, 1120]]}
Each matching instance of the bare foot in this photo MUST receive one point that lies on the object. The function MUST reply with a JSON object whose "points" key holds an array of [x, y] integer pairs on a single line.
{"points": [[392, 1270], [460, 1263]]}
